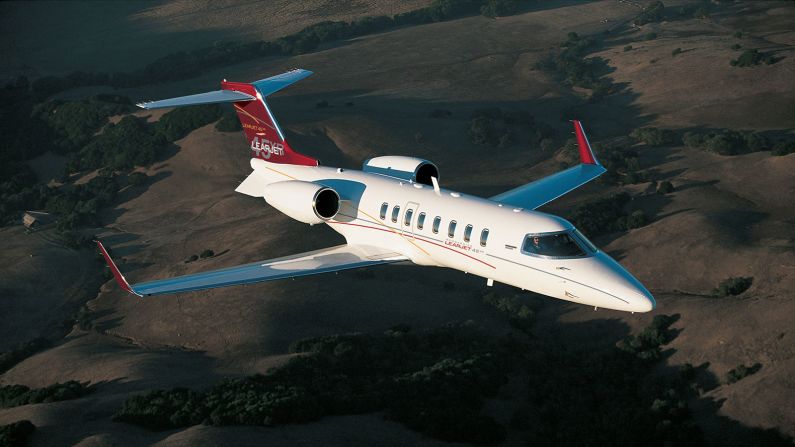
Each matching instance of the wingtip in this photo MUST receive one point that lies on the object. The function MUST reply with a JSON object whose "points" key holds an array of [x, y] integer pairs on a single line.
{"points": [[586, 152], [120, 280]]}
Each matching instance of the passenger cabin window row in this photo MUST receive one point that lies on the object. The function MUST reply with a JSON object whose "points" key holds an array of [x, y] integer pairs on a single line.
{"points": [[437, 222]]}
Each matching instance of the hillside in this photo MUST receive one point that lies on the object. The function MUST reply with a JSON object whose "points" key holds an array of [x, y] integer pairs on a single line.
{"points": [[728, 216]]}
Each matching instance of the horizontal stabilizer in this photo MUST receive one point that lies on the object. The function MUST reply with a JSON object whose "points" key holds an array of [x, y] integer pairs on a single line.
{"points": [[254, 185], [275, 83], [216, 97]]}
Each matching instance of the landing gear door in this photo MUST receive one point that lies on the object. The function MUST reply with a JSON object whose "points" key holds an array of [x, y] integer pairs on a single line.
{"points": [[409, 220]]}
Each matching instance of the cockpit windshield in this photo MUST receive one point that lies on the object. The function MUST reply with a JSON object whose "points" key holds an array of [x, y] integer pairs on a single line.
{"points": [[558, 245]]}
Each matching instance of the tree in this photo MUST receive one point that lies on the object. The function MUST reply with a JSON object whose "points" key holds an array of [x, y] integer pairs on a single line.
{"points": [[207, 254], [752, 57], [665, 188], [637, 219], [652, 13], [653, 136], [499, 8], [733, 286], [136, 178], [16, 434]]}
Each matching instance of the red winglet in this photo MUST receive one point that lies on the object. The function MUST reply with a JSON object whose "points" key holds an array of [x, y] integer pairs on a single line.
{"points": [[586, 153], [116, 273]]}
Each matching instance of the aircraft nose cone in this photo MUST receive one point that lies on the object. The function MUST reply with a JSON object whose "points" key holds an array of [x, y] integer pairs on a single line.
{"points": [[637, 298], [642, 301]]}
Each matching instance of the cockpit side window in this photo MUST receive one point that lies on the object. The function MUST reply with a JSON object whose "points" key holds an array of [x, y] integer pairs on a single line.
{"points": [[589, 246], [555, 245]]}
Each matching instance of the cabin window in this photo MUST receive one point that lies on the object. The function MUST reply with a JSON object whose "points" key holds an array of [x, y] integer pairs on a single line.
{"points": [[420, 221], [395, 213], [436, 222], [484, 237], [467, 233], [451, 229], [384, 207], [407, 218], [554, 245]]}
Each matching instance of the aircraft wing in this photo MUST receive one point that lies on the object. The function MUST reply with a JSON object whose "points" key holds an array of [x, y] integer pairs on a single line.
{"points": [[341, 257], [547, 189]]}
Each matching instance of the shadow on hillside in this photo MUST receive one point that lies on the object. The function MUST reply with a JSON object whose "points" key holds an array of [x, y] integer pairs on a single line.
{"points": [[583, 338], [446, 141], [131, 192]]}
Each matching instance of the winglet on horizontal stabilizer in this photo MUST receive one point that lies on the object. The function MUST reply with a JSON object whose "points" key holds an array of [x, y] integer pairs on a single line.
{"points": [[115, 270], [586, 153]]}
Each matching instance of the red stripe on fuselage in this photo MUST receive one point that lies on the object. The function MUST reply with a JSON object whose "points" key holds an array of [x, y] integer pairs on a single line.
{"points": [[390, 230]]}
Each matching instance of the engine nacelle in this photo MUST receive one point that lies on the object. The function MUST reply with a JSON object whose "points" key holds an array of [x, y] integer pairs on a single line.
{"points": [[303, 201], [410, 169]]}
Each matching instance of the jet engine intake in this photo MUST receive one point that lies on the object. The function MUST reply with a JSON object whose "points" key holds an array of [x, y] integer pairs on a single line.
{"points": [[305, 202]]}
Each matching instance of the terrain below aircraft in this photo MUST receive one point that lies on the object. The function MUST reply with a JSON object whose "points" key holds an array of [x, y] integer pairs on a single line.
{"points": [[394, 210]]}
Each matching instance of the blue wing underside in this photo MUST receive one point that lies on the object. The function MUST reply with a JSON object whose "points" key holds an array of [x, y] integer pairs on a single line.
{"points": [[341, 257], [547, 189]]}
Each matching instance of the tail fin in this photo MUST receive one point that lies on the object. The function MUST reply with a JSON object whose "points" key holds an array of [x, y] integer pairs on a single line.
{"points": [[262, 131]]}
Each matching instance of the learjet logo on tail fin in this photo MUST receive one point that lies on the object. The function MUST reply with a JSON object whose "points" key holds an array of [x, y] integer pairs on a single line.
{"points": [[264, 148]]}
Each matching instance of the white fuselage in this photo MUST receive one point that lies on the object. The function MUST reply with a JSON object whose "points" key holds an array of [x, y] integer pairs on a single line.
{"points": [[595, 279]]}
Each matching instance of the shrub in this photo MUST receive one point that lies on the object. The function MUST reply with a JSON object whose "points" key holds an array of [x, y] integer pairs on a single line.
{"points": [[519, 311], [20, 352], [74, 123], [740, 372], [228, 123], [434, 382], [628, 48], [665, 187], [481, 130], [505, 140], [131, 142], [15, 395], [602, 215], [181, 121], [727, 141], [646, 345], [322, 104], [752, 57], [783, 148], [637, 219], [136, 178], [440, 113], [650, 36], [736, 46], [499, 8], [191, 258], [653, 136], [16, 434], [733, 286], [207, 254], [652, 13], [676, 51], [571, 64]]}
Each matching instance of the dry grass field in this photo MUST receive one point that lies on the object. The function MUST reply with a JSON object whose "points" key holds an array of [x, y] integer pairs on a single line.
{"points": [[729, 215]]}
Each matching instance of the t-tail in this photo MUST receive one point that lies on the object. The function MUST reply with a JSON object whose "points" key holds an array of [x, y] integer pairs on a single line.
{"points": [[262, 131]]}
